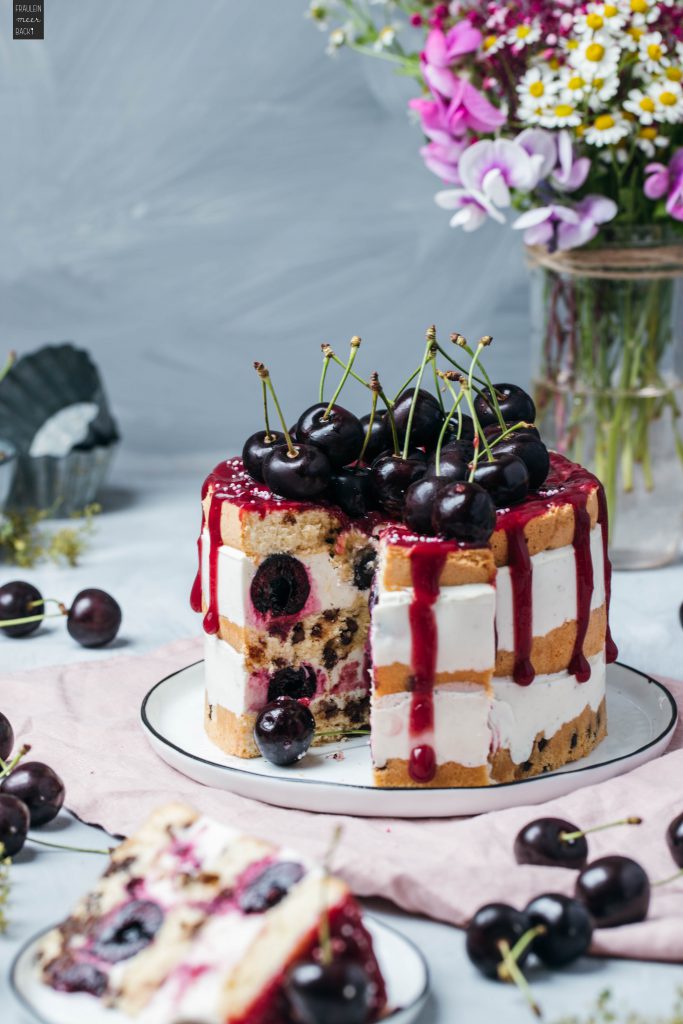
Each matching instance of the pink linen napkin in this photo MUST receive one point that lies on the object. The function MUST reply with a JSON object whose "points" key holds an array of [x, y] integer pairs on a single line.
{"points": [[84, 719]]}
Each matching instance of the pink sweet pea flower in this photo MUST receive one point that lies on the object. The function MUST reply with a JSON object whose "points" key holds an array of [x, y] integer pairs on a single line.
{"points": [[493, 167], [465, 110], [443, 159], [667, 181], [443, 48], [541, 147], [434, 117], [472, 208], [570, 172]]}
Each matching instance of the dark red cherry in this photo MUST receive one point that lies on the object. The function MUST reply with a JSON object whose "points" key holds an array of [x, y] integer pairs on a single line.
{"points": [[6, 737], [336, 993], [280, 586], [492, 924], [466, 428], [494, 430], [300, 477], [364, 565], [270, 886], [452, 464], [127, 930], [674, 839], [67, 975], [540, 842], [293, 682], [568, 928], [427, 418], [20, 600], [615, 890], [391, 477], [351, 490], [284, 731], [506, 479], [380, 436], [340, 435], [14, 824], [418, 506], [94, 618], [255, 450], [39, 787], [464, 512], [514, 403], [531, 451]]}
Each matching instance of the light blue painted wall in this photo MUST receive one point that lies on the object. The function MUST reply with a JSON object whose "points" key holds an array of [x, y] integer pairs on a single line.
{"points": [[185, 187]]}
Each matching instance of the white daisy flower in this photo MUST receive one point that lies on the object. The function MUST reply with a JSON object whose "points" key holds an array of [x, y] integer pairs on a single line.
{"points": [[630, 39], [602, 89], [642, 105], [649, 141], [595, 57], [598, 16], [674, 73], [386, 38], [668, 98], [335, 41], [493, 43], [536, 87], [318, 13], [561, 115], [607, 130], [641, 12], [523, 35], [572, 86], [652, 51]]}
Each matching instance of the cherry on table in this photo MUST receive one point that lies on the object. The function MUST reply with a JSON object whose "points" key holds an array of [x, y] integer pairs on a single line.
{"points": [[615, 890], [351, 490], [20, 600], [391, 477], [568, 928], [514, 403], [94, 618], [37, 786], [337, 432], [302, 476], [255, 450], [14, 824], [427, 419], [464, 512], [491, 925], [6, 737], [284, 730], [380, 437], [506, 479], [336, 993], [540, 842], [419, 501], [674, 840], [531, 451]]}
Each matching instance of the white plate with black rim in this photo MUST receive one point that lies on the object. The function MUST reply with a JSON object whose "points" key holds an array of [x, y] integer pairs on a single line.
{"points": [[337, 778], [402, 964]]}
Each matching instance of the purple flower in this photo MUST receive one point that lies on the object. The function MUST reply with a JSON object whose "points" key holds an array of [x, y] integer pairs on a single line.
{"points": [[541, 147], [472, 208], [434, 117], [667, 181], [566, 227], [571, 172], [443, 159], [442, 48], [493, 167]]}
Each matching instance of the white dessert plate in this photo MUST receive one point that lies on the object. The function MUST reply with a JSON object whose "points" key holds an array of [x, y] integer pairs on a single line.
{"points": [[337, 778], [402, 964]]}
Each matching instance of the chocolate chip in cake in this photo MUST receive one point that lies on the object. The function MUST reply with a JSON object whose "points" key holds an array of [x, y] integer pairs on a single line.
{"points": [[298, 633], [330, 656], [347, 634], [574, 740], [526, 767], [331, 614], [316, 630], [292, 682], [542, 743], [364, 568]]}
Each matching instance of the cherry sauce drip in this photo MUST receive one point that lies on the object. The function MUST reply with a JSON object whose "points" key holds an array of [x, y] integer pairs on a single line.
{"points": [[426, 561], [196, 592], [521, 579], [579, 666], [611, 651], [211, 619]]}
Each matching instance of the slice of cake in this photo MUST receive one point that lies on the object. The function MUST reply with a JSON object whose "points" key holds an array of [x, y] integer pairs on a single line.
{"points": [[194, 921]]}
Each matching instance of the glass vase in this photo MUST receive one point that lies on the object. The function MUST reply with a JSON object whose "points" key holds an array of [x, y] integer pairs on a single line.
{"points": [[608, 383]]}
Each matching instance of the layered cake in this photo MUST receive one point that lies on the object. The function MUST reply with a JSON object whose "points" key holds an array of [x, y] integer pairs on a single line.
{"points": [[475, 656], [193, 921]]}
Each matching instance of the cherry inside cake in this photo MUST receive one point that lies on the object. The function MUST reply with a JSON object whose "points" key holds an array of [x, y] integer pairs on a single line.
{"points": [[450, 594]]}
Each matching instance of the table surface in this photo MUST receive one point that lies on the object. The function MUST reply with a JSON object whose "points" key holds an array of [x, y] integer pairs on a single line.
{"points": [[143, 553]]}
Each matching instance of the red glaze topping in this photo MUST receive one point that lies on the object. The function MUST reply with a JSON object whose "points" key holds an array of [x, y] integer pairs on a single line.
{"points": [[578, 665], [522, 605], [610, 647]]}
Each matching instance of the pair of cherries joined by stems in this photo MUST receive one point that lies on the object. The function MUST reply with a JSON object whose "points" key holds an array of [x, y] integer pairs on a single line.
{"points": [[611, 891], [93, 619], [441, 472]]}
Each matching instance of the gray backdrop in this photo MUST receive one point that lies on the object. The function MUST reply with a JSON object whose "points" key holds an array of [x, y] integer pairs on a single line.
{"points": [[187, 186]]}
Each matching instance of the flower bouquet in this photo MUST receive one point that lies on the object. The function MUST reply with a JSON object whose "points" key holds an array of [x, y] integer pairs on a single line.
{"points": [[565, 120]]}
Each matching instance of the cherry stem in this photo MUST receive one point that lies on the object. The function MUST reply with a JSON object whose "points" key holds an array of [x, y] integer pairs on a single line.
{"points": [[327, 355], [343, 732], [480, 430], [324, 930], [510, 969], [366, 384], [29, 618], [265, 378], [405, 384], [457, 399], [8, 768], [429, 353], [268, 436], [436, 385], [366, 439], [492, 391], [665, 881], [355, 345], [62, 846], [63, 610], [457, 365], [510, 430], [569, 837]]}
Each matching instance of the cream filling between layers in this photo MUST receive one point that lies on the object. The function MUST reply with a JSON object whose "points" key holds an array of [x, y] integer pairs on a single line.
{"points": [[553, 590], [236, 571], [229, 684], [464, 621], [468, 723]]}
